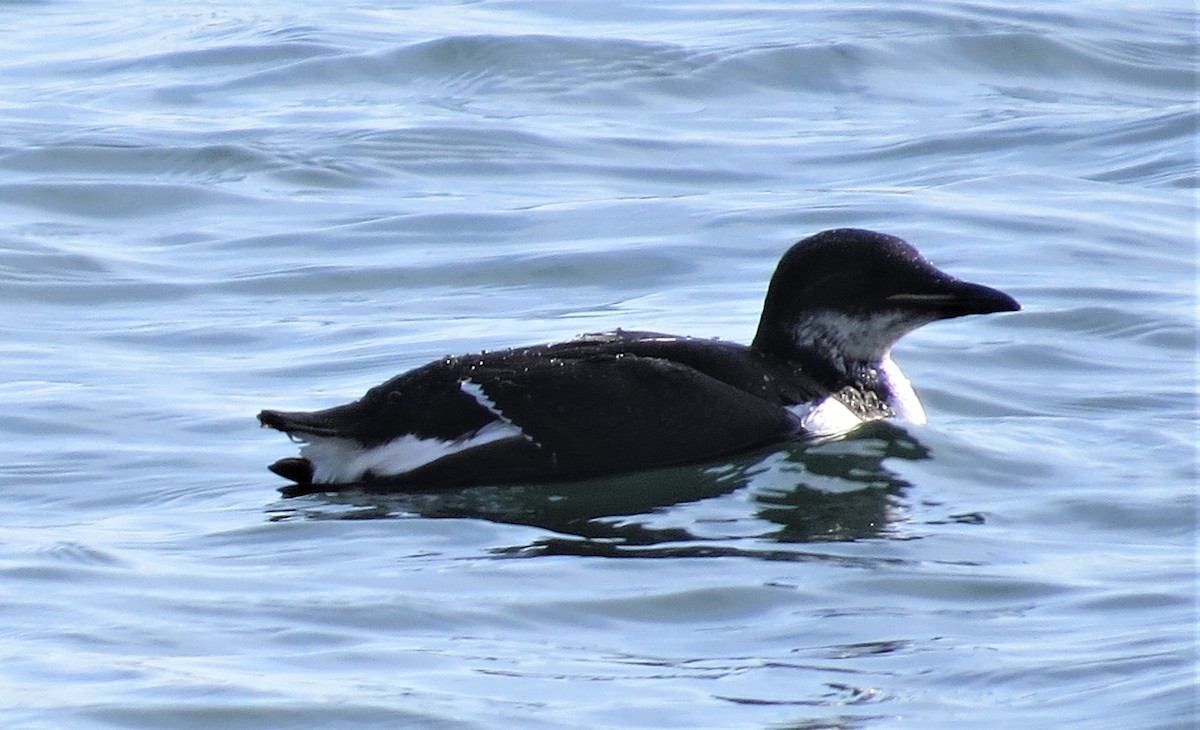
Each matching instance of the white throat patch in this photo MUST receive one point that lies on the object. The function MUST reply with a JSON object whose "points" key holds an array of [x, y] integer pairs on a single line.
{"points": [[847, 339]]}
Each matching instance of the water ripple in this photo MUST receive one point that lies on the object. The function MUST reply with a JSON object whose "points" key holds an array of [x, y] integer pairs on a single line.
{"points": [[212, 209]]}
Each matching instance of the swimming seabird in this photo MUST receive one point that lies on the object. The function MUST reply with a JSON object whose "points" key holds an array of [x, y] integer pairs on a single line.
{"points": [[820, 364]]}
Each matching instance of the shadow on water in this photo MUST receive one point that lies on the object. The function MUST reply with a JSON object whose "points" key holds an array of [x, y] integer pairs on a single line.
{"points": [[828, 491]]}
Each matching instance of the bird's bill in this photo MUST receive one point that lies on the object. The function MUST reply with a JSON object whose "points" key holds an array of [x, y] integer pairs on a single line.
{"points": [[958, 298]]}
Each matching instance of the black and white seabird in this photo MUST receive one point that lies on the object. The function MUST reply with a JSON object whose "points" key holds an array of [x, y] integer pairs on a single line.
{"points": [[820, 363]]}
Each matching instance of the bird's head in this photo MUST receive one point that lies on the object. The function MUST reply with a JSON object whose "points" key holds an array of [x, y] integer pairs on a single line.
{"points": [[842, 298]]}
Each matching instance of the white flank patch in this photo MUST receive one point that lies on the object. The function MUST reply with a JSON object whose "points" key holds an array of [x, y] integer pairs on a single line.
{"points": [[475, 390], [338, 460]]}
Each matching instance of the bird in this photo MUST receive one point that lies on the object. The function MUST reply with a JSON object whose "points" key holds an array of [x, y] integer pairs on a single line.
{"points": [[622, 401]]}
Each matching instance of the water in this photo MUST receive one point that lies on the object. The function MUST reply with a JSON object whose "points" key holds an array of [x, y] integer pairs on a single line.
{"points": [[207, 209]]}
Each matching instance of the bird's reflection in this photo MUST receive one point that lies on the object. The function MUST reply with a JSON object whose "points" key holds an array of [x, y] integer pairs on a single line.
{"points": [[801, 492], [840, 490]]}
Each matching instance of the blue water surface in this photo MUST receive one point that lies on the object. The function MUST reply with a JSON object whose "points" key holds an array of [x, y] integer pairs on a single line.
{"points": [[211, 208]]}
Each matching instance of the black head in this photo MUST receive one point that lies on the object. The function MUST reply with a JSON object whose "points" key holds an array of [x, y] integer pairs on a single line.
{"points": [[849, 294]]}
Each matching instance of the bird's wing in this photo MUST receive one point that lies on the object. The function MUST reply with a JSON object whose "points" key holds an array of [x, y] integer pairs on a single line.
{"points": [[625, 412]]}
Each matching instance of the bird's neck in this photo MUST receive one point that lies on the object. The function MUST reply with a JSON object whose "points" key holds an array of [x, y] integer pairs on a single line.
{"points": [[851, 357], [871, 390], [838, 349]]}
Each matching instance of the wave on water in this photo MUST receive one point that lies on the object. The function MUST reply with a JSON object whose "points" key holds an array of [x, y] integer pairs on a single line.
{"points": [[207, 209]]}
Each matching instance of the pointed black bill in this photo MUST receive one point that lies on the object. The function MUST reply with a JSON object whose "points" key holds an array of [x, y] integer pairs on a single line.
{"points": [[957, 298]]}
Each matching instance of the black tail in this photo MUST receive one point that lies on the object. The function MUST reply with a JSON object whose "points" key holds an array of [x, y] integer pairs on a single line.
{"points": [[296, 469]]}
